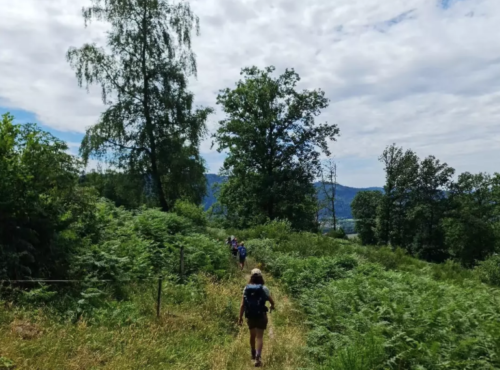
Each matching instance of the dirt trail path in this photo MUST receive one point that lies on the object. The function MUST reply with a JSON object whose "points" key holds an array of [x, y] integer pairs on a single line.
{"points": [[284, 340]]}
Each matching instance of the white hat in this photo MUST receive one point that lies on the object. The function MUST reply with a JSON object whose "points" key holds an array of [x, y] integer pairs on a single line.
{"points": [[256, 272]]}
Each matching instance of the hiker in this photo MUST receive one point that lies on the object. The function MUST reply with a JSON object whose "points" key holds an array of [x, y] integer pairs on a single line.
{"points": [[242, 251], [234, 247], [253, 305], [228, 242]]}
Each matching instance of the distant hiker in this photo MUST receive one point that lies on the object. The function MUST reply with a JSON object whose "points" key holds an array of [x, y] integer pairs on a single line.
{"points": [[242, 251], [234, 247], [253, 304], [228, 242]]}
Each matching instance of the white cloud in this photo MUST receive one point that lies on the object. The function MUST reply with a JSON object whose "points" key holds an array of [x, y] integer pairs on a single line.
{"points": [[408, 72]]}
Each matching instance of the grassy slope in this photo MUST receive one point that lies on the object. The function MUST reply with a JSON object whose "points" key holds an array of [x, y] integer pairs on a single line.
{"points": [[371, 308], [197, 330]]}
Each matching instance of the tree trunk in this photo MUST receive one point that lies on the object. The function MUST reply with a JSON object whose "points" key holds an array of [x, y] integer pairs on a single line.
{"points": [[149, 124]]}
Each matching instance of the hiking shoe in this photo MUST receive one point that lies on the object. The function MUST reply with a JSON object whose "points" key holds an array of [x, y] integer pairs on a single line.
{"points": [[258, 362]]}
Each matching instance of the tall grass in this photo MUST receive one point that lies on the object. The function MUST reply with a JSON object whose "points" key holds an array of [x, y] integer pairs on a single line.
{"points": [[197, 330]]}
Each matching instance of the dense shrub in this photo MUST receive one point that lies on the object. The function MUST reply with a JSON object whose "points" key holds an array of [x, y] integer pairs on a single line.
{"points": [[191, 211], [276, 230], [146, 243], [337, 234], [489, 270], [38, 199]]}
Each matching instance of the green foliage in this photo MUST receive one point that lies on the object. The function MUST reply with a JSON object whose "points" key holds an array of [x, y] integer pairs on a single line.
{"points": [[337, 234], [124, 189], [145, 244], [423, 211], [422, 323], [191, 211], [6, 364], [393, 313], [273, 146], [39, 198], [150, 127], [470, 223], [414, 203], [364, 209], [489, 270], [277, 230]]}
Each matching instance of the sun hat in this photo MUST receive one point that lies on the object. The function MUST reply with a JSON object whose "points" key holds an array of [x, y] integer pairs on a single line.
{"points": [[256, 272]]}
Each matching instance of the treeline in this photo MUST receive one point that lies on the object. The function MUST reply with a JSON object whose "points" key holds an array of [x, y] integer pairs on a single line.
{"points": [[428, 213]]}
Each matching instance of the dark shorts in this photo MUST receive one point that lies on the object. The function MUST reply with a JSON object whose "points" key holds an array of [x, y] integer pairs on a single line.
{"points": [[242, 259], [257, 323]]}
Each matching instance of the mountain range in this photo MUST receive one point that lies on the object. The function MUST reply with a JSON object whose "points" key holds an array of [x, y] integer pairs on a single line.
{"points": [[344, 196]]}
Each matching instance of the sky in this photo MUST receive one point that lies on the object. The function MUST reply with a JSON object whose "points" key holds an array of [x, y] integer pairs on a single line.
{"points": [[424, 74]]}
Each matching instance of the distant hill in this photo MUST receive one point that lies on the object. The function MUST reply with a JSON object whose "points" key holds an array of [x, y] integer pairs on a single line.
{"points": [[345, 195]]}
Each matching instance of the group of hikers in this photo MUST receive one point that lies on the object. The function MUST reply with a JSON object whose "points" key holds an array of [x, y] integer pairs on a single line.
{"points": [[237, 250], [253, 303]]}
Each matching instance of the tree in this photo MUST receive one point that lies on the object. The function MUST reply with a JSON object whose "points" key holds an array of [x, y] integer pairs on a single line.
{"points": [[469, 225], [364, 209], [149, 127], [124, 189], [37, 192], [401, 168], [429, 206], [273, 145], [328, 172]]}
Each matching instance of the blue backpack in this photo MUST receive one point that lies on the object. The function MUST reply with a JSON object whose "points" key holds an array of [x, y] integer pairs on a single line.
{"points": [[255, 301], [243, 251]]}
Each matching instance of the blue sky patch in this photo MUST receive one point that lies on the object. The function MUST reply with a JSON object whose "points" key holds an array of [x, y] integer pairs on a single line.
{"points": [[446, 4], [22, 116], [385, 25]]}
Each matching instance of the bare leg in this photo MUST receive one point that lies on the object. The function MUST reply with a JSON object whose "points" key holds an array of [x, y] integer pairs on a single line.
{"points": [[260, 343], [253, 333], [260, 339]]}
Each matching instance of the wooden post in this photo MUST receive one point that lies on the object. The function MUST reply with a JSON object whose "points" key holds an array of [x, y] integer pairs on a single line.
{"points": [[158, 303], [182, 264]]}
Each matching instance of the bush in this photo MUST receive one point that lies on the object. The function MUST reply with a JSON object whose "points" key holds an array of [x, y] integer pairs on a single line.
{"points": [[112, 248], [191, 212], [488, 271], [160, 226], [38, 197], [337, 234]]}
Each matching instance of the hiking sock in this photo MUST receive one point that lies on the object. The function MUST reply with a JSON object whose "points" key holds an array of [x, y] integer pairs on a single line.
{"points": [[257, 354], [253, 354]]}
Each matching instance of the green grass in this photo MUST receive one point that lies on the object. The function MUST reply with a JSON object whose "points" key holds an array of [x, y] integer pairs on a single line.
{"points": [[197, 330]]}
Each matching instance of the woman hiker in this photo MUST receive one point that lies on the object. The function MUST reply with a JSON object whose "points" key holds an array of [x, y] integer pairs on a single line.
{"points": [[253, 304]]}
